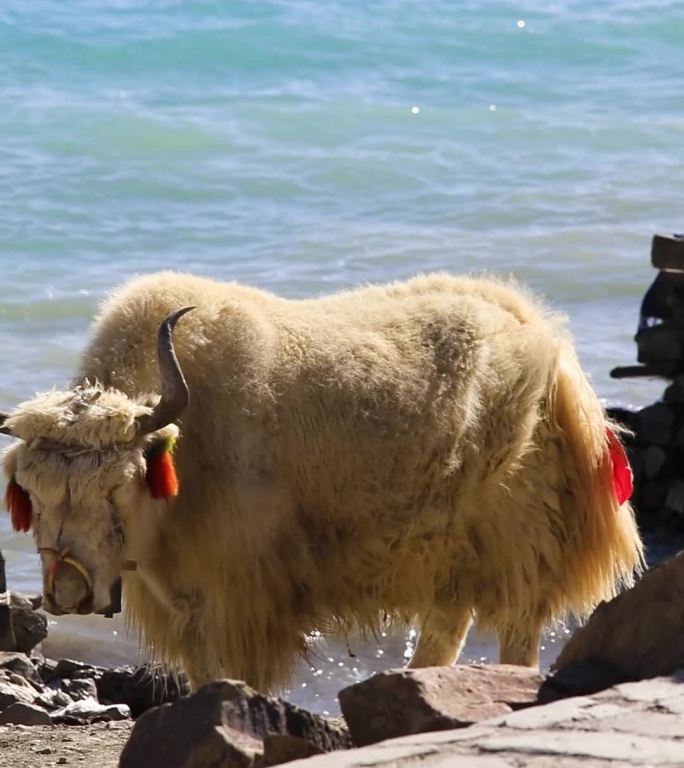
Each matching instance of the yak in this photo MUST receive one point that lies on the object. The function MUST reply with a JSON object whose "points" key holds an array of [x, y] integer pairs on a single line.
{"points": [[425, 451]]}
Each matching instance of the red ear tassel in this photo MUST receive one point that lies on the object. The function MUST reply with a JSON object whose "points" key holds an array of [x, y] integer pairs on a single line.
{"points": [[161, 476], [623, 483], [18, 502]]}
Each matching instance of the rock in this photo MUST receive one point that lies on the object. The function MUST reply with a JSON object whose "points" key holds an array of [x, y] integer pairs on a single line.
{"points": [[654, 458], [52, 699], [141, 688], [12, 693], [641, 631], [634, 724], [282, 748], [675, 497], [24, 714], [79, 690], [69, 669], [406, 701], [89, 711], [20, 664], [30, 628], [675, 392], [655, 424], [223, 725], [581, 678]]}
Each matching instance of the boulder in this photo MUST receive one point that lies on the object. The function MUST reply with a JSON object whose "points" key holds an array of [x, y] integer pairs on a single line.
{"points": [[80, 690], [641, 631], [141, 688], [581, 678], [655, 424], [30, 627], [24, 714], [407, 701], [223, 725], [283, 748], [69, 669]]}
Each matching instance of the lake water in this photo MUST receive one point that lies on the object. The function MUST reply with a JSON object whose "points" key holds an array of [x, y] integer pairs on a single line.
{"points": [[305, 146]]}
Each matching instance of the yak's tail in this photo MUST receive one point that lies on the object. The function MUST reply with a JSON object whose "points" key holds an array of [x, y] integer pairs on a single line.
{"points": [[605, 546]]}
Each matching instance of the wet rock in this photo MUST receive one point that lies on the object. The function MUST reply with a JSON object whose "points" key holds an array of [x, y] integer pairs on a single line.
{"points": [[407, 701], [141, 688], [581, 678], [641, 631], [223, 725], [89, 711], [24, 714]]}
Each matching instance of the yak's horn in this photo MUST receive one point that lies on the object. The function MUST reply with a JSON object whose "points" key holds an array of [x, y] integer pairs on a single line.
{"points": [[174, 391], [3, 418]]}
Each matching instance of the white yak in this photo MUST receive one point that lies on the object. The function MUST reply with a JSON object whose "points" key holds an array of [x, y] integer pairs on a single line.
{"points": [[425, 451]]}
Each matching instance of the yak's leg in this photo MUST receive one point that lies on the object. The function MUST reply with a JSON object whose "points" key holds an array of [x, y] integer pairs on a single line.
{"points": [[519, 643], [441, 638]]}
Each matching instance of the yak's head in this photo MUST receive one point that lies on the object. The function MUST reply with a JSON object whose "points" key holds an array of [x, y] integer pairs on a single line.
{"points": [[89, 461]]}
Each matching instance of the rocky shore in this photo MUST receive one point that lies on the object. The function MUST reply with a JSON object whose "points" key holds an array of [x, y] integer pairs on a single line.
{"points": [[616, 698]]}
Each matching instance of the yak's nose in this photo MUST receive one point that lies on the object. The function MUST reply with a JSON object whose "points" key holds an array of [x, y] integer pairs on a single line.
{"points": [[68, 587]]}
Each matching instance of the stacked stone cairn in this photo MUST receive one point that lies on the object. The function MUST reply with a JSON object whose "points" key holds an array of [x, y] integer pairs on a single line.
{"points": [[656, 446]]}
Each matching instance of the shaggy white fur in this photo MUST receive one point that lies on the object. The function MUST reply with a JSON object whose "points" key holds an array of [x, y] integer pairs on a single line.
{"points": [[427, 450]]}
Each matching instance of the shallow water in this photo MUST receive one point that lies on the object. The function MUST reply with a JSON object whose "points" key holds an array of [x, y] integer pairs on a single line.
{"points": [[303, 147]]}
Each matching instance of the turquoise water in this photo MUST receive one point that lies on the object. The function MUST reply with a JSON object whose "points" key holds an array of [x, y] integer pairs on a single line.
{"points": [[304, 146]]}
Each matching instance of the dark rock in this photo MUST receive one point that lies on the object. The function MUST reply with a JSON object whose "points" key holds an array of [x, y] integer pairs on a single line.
{"points": [[69, 669], [24, 714], [223, 725], [141, 688], [30, 628], [7, 639], [675, 392], [655, 424], [654, 458], [406, 701], [46, 669], [89, 711], [674, 499], [581, 678], [641, 631], [78, 690]]}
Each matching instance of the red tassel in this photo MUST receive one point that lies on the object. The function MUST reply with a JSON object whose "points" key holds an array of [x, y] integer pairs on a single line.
{"points": [[623, 483], [18, 502], [161, 476]]}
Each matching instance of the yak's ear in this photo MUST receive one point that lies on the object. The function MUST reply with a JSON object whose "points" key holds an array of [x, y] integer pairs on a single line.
{"points": [[160, 477], [18, 503]]}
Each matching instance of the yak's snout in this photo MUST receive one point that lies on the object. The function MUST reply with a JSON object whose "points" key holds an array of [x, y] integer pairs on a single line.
{"points": [[68, 588]]}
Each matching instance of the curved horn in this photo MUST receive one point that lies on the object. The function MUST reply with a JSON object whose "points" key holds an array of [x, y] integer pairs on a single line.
{"points": [[174, 391], [3, 418]]}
